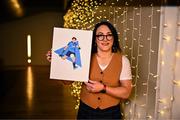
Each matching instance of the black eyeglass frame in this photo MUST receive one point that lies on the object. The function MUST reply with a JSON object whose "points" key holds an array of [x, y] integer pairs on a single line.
{"points": [[108, 37]]}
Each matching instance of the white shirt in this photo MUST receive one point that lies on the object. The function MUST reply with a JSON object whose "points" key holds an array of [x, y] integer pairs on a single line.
{"points": [[126, 69]]}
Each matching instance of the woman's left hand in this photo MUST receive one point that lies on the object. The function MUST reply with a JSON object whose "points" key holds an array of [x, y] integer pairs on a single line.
{"points": [[94, 86], [49, 55]]}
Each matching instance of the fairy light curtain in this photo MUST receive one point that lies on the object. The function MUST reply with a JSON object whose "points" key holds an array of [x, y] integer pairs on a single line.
{"points": [[139, 33], [139, 37], [167, 105]]}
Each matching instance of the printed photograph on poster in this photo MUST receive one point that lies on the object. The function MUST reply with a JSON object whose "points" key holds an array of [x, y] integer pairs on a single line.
{"points": [[71, 53]]}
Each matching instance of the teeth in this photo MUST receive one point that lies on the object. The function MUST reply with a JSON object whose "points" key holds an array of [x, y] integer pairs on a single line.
{"points": [[105, 44]]}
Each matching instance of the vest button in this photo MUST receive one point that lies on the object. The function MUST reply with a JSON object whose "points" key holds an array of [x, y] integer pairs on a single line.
{"points": [[101, 72], [99, 98]]}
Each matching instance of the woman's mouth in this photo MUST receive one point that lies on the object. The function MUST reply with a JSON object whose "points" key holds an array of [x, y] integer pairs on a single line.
{"points": [[105, 44]]}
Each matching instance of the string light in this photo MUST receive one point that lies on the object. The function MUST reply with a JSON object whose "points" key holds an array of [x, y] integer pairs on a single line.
{"points": [[162, 62], [132, 31], [80, 16], [176, 82], [163, 101], [162, 52], [177, 54], [162, 112], [165, 108], [128, 21], [80, 13], [165, 25], [149, 117]]}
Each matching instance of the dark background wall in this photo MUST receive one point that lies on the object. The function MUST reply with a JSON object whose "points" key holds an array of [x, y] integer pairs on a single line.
{"points": [[13, 37], [19, 18]]}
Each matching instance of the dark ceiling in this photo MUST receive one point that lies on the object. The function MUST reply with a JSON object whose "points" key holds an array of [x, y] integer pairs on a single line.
{"points": [[30, 7], [8, 8]]}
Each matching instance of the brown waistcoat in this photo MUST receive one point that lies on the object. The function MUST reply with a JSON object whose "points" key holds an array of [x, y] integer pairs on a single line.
{"points": [[110, 77]]}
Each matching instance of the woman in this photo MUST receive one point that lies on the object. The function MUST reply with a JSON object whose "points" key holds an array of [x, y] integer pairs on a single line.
{"points": [[110, 77]]}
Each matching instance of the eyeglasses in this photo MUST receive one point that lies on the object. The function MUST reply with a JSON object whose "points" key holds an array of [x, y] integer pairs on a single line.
{"points": [[101, 37]]}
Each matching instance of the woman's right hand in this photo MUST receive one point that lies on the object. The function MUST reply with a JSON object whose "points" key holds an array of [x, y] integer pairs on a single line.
{"points": [[49, 55]]}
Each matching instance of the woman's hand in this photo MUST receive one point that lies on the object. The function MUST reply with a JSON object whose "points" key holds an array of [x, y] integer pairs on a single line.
{"points": [[94, 86], [49, 55]]}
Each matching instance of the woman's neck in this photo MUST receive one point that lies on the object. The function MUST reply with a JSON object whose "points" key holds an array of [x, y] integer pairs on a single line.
{"points": [[106, 54]]}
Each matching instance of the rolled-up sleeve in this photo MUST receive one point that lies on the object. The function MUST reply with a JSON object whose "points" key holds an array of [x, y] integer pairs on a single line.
{"points": [[126, 69]]}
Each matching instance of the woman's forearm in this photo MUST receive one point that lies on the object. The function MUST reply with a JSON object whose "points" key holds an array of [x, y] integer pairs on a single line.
{"points": [[122, 91]]}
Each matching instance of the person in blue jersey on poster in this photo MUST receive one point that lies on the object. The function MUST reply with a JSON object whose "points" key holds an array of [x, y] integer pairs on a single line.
{"points": [[71, 52]]}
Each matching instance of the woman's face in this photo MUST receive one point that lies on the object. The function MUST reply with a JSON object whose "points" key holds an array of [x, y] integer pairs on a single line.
{"points": [[104, 38]]}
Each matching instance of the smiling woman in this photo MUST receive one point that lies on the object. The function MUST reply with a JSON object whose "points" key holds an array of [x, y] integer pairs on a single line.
{"points": [[110, 76], [109, 79], [104, 39]]}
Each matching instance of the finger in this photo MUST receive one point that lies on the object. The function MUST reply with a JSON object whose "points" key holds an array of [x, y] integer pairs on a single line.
{"points": [[48, 54], [88, 84], [88, 88], [85, 82], [92, 81], [49, 59]]}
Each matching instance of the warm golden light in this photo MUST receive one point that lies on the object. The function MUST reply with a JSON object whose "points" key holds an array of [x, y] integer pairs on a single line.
{"points": [[176, 82], [15, 3], [167, 38], [165, 25], [138, 115], [29, 46], [177, 54], [162, 62], [162, 101], [29, 60], [172, 98], [29, 86], [162, 112], [16, 6], [149, 117], [162, 52]]}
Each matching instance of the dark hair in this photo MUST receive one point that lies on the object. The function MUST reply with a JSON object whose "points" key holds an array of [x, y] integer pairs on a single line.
{"points": [[74, 38], [116, 46]]}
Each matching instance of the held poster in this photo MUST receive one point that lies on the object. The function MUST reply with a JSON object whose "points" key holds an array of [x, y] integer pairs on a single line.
{"points": [[71, 53]]}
